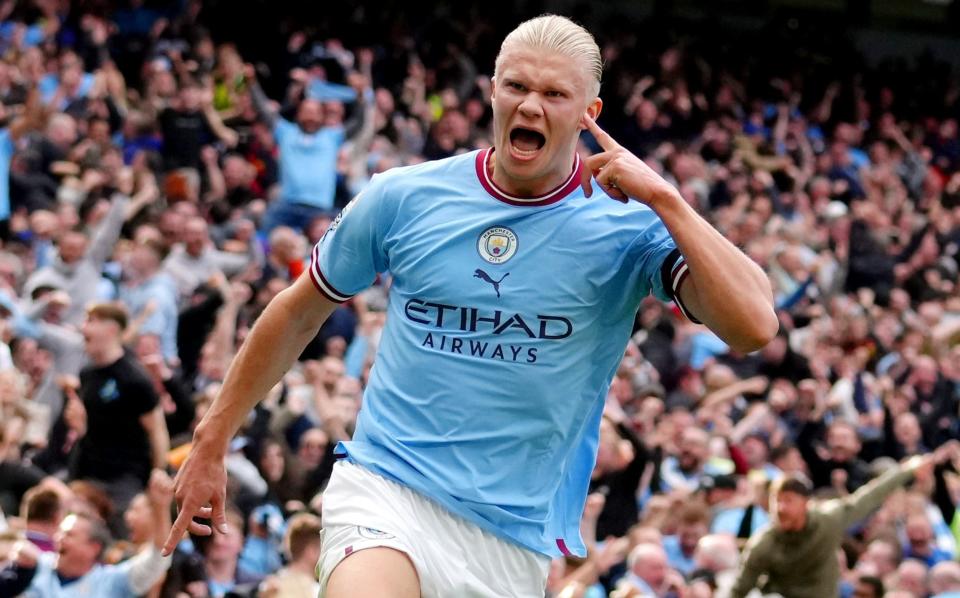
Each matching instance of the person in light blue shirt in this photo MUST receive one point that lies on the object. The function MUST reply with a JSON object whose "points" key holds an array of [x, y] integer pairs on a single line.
{"points": [[693, 521], [73, 570], [151, 293], [517, 272], [6, 155], [308, 158], [731, 520], [9, 134], [648, 572], [70, 84]]}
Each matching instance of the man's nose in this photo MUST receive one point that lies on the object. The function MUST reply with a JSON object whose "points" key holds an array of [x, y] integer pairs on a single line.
{"points": [[530, 106]]}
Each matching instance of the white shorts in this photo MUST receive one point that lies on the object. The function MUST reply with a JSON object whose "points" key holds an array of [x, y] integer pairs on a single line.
{"points": [[452, 556]]}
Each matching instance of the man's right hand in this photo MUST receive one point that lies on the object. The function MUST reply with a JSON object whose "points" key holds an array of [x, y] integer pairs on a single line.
{"points": [[200, 489]]}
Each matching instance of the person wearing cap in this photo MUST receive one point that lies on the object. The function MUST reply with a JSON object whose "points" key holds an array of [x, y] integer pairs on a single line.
{"points": [[797, 553]]}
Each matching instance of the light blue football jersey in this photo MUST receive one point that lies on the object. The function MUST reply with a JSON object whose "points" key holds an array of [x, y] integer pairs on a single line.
{"points": [[507, 320]]}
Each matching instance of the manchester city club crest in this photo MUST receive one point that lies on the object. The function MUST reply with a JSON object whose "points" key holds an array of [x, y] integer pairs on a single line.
{"points": [[497, 244]]}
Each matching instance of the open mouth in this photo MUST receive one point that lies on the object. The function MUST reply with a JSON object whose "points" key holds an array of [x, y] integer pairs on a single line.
{"points": [[526, 142]]}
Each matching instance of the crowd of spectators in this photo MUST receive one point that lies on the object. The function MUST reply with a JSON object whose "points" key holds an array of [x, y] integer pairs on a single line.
{"points": [[154, 198]]}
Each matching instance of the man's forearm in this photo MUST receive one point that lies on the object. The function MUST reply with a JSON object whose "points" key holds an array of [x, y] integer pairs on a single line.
{"points": [[869, 497], [224, 133], [104, 240], [146, 569], [261, 105], [725, 289], [277, 339]]}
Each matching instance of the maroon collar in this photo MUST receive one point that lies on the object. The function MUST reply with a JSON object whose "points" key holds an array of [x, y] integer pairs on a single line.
{"points": [[552, 196]]}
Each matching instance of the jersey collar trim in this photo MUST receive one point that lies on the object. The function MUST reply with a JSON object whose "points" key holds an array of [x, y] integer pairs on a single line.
{"points": [[552, 196]]}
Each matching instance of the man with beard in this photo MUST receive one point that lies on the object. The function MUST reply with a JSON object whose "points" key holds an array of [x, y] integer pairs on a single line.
{"points": [[797, 555], [685, 470], [308, 151]]}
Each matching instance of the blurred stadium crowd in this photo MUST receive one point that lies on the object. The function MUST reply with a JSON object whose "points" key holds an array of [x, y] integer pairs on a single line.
{"points": [[154, 197]]}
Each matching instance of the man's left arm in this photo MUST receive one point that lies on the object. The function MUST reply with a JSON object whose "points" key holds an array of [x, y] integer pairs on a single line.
{"points": [[228, 136], [155, 425], [718, 284], [869, 497], [724, 289]]}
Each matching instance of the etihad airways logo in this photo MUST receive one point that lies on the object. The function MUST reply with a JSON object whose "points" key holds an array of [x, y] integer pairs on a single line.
{"points": [[474, 319], [514, 328]]}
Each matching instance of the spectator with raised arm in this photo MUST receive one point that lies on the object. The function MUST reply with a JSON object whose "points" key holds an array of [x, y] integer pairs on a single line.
{"points": [[796, 556], [308, 156], [75, 568], [120, 424]]}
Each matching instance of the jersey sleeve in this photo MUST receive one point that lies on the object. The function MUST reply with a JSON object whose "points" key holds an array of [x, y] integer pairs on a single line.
{"points": [[663, 268], [351, 252], [673, 271]]}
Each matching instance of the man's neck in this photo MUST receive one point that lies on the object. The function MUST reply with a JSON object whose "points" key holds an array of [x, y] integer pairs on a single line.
{"points": [[529, 188], [110, 354], [73, 570]]}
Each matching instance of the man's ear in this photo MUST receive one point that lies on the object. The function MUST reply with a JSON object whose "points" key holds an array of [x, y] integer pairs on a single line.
{"points": [[493, 88], [593, 110]]}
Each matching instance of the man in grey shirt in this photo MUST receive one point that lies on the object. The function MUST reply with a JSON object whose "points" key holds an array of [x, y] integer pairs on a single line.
{"points": [[197, 260], [79, 262]]}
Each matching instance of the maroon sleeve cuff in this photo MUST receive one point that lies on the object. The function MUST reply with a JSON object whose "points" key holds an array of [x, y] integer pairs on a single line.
{"points": [[320, 281]]}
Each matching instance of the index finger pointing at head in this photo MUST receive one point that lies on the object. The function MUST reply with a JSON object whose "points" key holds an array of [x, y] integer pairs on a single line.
{"points": [[605, 140]]}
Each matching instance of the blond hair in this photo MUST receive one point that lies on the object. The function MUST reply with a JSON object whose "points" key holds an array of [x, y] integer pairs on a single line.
{"points": [[561, 35]]}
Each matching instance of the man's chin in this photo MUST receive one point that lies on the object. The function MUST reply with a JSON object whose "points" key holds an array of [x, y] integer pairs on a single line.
{"points": [[521, 167]]}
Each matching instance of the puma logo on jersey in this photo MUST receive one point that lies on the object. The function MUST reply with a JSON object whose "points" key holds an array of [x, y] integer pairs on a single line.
{"points": [[478, 273]]}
